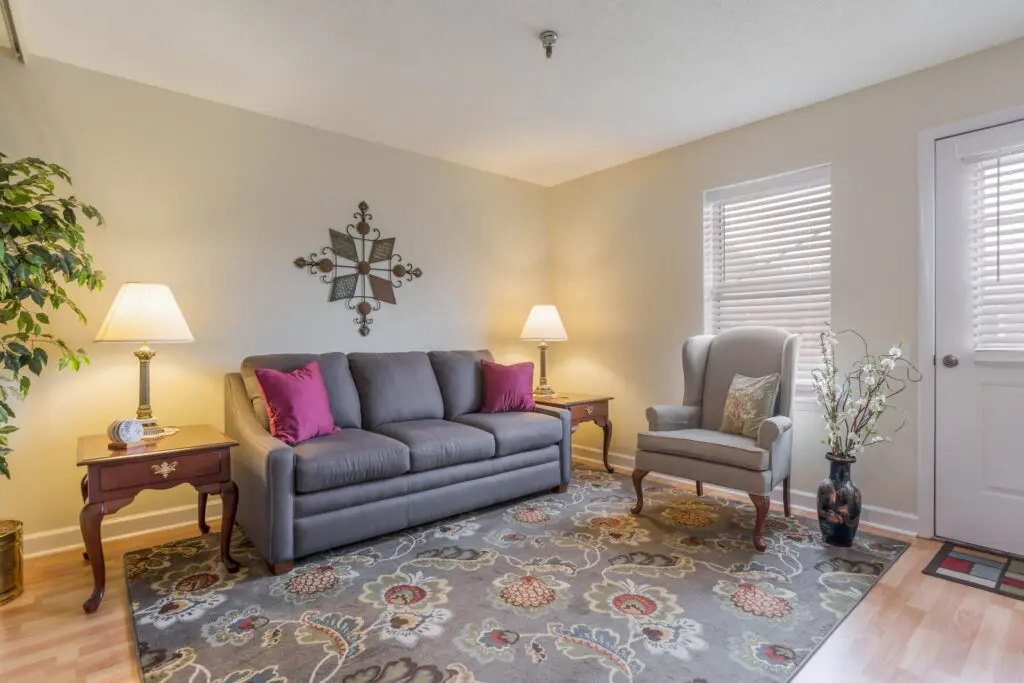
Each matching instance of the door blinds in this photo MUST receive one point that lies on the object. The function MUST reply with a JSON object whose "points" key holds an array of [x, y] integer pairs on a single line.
{"points": [[996, 218]]}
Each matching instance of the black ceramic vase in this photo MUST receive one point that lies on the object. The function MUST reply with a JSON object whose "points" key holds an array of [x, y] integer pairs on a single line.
{"points": [[838, 503]]}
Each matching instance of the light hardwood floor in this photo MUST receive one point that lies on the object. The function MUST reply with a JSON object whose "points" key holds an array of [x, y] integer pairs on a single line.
{"points": [[910, 628]]}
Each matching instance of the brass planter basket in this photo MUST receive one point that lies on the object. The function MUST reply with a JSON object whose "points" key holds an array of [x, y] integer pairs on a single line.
{"points": [[12, 580]]}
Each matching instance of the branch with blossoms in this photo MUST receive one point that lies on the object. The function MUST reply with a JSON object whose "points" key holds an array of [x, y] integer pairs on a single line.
{"points": [[855, 401]]}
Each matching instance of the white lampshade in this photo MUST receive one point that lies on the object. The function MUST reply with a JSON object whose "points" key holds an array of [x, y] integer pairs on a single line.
{"points": [[544, 324], [144, 312]]}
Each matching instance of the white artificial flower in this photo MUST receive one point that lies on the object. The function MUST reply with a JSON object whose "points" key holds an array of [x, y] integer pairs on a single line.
{"points": [[895, 352], [851, 411], [870, 380], [888, 363]]}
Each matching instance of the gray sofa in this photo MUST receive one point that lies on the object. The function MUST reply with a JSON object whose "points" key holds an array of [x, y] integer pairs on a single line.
{"points": [[413, 448]]}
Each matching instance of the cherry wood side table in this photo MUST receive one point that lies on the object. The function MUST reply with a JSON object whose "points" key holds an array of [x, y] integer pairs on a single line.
{"points": [[584, 408], [198, 455]]}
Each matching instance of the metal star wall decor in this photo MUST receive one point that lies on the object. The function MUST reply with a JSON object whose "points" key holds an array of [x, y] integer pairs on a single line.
{"points": [[360, 249]]}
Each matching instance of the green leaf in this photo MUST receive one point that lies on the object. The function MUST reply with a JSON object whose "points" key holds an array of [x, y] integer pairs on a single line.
{"points": [[19, 349]]}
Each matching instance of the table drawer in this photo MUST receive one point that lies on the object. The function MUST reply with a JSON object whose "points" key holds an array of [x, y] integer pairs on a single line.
{"points": [[163, 470], [588, 411]]}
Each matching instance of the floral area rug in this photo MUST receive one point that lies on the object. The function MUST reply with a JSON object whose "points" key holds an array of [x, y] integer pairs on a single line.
{"points": [[568, 587]]}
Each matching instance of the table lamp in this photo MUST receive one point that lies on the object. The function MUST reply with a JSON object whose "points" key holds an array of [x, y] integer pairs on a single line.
{"points": [[144, 313], [543, 325]]}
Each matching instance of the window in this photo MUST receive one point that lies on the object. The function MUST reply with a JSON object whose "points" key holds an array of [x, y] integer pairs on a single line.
{"points": [[996, 233], [767, 257]]}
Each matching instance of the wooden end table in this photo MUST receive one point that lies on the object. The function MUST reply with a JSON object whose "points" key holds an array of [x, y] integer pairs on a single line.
{"points": [[584, 408], [198, 455]]}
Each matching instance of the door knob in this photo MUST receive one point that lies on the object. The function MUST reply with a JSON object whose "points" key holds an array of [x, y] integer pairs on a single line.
{"points": [[950, 361]]}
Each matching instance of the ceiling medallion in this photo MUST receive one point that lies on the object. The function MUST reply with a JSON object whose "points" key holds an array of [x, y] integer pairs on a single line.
{"points": [[547, 40], [360, 249]]}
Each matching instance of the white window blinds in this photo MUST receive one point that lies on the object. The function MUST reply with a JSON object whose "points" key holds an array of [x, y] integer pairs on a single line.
{"points": [[996, 206], [767, 257]]}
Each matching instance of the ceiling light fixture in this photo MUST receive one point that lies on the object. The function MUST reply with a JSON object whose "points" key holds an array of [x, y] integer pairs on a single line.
{"points": [[548, 40]]}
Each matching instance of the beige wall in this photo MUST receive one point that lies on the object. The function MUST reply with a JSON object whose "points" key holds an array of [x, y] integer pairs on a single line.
{"points": [[625, 247], [217, 202]]}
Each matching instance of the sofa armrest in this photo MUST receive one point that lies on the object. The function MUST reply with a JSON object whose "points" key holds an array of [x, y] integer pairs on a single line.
{"points": [[776, 436], [263, 469], [565, 445], [771, 429], [665, 418]]}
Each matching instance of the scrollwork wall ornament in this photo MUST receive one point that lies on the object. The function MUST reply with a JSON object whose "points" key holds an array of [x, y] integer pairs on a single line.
{"points": [[376, 269]]}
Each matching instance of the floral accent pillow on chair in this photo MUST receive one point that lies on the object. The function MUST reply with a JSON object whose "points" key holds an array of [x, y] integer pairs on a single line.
{"points": [[750, 402]]}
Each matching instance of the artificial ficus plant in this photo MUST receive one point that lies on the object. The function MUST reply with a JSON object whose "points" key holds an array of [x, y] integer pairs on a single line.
{"points": [[44, 250]]}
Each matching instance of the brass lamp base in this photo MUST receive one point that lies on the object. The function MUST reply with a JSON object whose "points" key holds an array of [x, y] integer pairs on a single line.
{"points": [[144, 414], [542, 388]]}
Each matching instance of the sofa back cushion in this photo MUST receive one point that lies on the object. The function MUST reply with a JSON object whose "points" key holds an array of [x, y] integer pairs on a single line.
{"points": [[749, 351], [394, 387], [341, 390], [461, 379]]}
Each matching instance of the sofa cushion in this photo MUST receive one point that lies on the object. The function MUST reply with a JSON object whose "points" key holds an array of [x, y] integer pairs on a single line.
{"points": [[507, 388], [460, 378], [341, 390], [368, 492], [439, 443], [348, 457], [516, 432], [285, 362], [297, 403], [395, 387], [707, 444]]}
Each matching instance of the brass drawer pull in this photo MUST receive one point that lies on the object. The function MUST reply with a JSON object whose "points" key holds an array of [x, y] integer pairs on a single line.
{"points": [[165, 468], [589, 410]]}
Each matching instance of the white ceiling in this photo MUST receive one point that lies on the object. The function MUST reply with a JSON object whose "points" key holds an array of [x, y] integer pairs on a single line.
{"points": [[466, 80]]}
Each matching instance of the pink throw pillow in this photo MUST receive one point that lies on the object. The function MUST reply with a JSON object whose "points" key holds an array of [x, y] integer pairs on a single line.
{"points": [[507, 388], [297, 403]]}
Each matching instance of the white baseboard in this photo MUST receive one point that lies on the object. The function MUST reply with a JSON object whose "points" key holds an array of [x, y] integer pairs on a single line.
{"points": [[70, 538], [881, 518]]}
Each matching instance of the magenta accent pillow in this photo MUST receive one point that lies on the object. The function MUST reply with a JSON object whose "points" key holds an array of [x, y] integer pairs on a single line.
{"points": [[297, 403], [507, 388]]}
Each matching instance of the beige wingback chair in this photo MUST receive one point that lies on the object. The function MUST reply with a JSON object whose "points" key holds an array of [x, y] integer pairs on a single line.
{"points": [[685, 441]]}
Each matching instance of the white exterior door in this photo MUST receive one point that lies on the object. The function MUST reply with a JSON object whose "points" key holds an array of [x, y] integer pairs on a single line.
{"points": [[979, 335]]}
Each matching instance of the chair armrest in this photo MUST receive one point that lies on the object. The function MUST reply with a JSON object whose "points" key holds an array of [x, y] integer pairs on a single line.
{"points": [[664, 418], [565, 445], [263, 468], [771, 429]]}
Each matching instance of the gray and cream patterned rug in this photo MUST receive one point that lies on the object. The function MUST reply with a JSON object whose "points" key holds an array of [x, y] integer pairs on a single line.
{"points": [[567, 587]]}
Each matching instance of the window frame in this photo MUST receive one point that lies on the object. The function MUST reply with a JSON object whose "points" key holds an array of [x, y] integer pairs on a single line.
{"points": [[778, 184]]}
